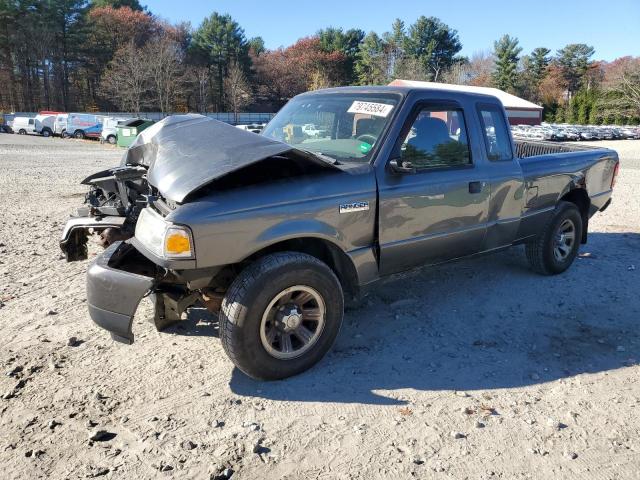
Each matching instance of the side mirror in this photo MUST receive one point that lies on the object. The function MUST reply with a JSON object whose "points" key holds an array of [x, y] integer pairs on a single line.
{"points": [[398, 166]]}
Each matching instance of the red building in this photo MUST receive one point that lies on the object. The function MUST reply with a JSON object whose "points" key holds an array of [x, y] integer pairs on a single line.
{"points": [[519, 110]]}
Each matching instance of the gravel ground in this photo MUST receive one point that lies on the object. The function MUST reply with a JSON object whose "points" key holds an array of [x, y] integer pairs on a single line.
{"points": [[478, 369]]}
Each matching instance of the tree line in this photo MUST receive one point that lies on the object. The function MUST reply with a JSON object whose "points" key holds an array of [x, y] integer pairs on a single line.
{"points": [[109, 55]]}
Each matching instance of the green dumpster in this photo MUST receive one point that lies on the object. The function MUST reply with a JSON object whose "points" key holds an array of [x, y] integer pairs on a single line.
{"points": [[128, 131]]}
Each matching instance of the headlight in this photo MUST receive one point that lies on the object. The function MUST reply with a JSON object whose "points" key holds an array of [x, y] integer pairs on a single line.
{"points": [[163, 238]]}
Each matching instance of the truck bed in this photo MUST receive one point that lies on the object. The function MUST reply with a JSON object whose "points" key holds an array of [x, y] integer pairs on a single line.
{"points": [[532, 148], [550, 170]]}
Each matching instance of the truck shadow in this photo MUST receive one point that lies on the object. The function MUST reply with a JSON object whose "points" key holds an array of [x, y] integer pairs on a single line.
{"points": [[484, 323], [199, 323]]}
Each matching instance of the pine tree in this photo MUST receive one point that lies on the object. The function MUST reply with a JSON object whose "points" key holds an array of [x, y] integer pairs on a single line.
{"points": [[506, 52], [574, 60], [371, 61], [433, 44], [218, 42]]}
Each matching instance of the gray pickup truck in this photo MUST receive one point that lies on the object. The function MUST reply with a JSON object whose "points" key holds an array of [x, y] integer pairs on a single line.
{"points": [[272, 232]]}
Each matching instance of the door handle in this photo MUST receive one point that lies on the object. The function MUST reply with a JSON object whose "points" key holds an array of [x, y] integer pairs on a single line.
{"points": [[476, 187]]}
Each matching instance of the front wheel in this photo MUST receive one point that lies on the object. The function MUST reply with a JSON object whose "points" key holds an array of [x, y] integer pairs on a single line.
{"points": [[112, 139], [556, 247], [281, 315]]}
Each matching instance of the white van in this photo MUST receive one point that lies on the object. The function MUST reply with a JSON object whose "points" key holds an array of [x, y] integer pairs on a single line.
{"points": [[60, 125], [44, 124], [109, 132], [24, 125]]}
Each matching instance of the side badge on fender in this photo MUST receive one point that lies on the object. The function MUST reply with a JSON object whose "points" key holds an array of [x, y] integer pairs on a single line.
{"points": [[354, 207]]}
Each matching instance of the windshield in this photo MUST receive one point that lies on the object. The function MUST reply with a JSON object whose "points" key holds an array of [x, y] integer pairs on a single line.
{"points": [[344, 127]]}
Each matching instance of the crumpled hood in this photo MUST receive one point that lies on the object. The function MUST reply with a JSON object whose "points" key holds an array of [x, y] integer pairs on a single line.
{"points": [[186, 152]]}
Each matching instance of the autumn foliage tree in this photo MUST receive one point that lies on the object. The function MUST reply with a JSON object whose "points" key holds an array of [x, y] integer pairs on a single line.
{"points": [[107, 55], [286, 72]]}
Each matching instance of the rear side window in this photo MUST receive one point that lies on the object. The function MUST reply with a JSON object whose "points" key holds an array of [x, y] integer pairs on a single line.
{"points": [[496, 136], [437, 138]]}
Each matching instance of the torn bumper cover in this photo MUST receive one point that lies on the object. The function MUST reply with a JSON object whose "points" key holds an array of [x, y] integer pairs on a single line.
{"points": [[113, 294], [73, 240]]}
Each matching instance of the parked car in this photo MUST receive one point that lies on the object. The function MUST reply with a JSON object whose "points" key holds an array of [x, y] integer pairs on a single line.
{"points": [[109, 132], [588, 134], [630, 133], [252, 127], [84, 125], [24, 125], [313, 131], [566, 132], [274, 235], [571, 134], [5, 128]]}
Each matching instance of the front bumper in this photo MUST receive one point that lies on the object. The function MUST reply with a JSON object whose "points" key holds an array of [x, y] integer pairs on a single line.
{"points": [[113, 293]]}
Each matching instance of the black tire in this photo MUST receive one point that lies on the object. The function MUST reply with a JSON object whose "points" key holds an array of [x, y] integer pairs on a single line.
{"points": [[112, 139], [64, 134], [251, 294], [46, 132], [540, 252], [22, 131], [79, 134]]}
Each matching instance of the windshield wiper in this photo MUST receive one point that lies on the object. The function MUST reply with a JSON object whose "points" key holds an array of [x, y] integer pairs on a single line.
{"points": [[322, 156]]}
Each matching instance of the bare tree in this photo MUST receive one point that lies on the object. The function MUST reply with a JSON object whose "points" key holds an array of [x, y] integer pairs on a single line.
{"points": [[477, 71], [410, 68], [164, 60], [126, 80], [629, 86], [201, 75], [237, 89]]}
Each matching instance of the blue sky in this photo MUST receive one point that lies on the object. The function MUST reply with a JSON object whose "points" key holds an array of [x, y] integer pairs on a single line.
{"points": [[612, 27]]}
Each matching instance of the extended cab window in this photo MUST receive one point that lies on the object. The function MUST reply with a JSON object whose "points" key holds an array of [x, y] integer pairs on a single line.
{"points": [[497, 140], [437, 138]]}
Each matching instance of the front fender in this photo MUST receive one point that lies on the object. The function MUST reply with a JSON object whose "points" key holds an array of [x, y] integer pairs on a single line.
{"points": [[298, 228]]}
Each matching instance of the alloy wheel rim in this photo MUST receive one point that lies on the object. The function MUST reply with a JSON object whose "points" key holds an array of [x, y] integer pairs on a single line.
{"points": [[293, 322], [564, 240]]}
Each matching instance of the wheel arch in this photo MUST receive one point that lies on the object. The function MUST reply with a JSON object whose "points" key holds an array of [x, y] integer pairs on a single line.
{"points": [[580, 198], [324, 250]]}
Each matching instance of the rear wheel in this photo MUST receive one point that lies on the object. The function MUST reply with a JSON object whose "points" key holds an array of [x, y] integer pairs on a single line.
{"points": [[111, 139], [46, 132], [556, 247], [79, 134], [22, 131], [281, 315]]}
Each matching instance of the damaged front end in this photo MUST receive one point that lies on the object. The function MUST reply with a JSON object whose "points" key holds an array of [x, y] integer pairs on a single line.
{"points": [[168, 167], [111, 208], [120, 278]]}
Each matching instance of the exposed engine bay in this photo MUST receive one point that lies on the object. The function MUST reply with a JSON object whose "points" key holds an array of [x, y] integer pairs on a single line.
{"points": [[111, 208]]}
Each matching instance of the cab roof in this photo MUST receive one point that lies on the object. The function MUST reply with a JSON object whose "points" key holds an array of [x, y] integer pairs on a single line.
{"points": [[404, 90]]}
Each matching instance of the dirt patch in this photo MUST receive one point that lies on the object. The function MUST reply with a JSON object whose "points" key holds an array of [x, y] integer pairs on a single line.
{"points": [[478, 369]]}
